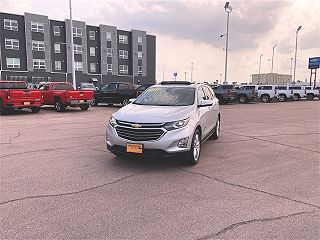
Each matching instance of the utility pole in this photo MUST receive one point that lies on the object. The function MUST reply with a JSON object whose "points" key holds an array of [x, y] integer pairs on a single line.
{"points": [[74, 83], [228, 10], [185, 76], [272, 61], [162, 74], [259, 69], [191, 72], [295, 55]]}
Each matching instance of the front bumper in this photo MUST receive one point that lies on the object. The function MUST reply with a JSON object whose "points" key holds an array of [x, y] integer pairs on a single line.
{"points": [[166, 145]]}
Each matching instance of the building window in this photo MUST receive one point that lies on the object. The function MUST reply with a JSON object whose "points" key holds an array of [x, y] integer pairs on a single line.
{"points": [[123, 69], [139, 69], [139, 55], [77, 49], [123, 54], [10, 24], [77, 32], [38, 46], [37, 27], [13, 62], [39, 64], [109, 68], [123, 39], [57, 65], [109, 52], [92, 67], [109, 36], [139, 40], [92, 51], [12, 44], [78, 66], [57, 48], [92, 35], [56, 30]]}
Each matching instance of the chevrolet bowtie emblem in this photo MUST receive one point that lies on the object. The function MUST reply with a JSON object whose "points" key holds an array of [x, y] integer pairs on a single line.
{"points": [[136, 125]]}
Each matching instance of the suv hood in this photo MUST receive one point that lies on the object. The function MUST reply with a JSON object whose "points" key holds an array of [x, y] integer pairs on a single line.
{"points": [[152, 114]]}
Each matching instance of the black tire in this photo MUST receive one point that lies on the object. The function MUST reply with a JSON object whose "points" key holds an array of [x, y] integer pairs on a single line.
{"points": [[217, 129], [265, 98], [2, 109], [125, 102], [35, 109], [296, 97], [243, 99], [59, 106], [84, 107], [95, 102], [310, 97], [282, 98], [193, 155]]}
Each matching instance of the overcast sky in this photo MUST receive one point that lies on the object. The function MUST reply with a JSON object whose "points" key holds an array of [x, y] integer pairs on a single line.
{"points": [[189, 31]]}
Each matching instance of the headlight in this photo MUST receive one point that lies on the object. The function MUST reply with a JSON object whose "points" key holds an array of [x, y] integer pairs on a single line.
{"points": [[113, 122], [176, 125]]}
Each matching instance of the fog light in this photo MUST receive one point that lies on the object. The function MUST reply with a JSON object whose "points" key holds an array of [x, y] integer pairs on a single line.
{"points": [[183, 143]]}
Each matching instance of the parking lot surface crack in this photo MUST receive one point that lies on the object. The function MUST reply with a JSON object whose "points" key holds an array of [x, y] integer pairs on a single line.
{"points": [[14, 138], [74, 192], [255, 220], [264, 140], [249, 188]]}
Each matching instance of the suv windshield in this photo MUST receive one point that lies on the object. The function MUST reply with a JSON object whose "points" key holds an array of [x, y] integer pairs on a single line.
{"points": [[167, 96], [12, 85]]}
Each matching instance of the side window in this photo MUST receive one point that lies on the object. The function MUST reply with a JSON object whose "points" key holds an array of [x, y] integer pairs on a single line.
{"points": [[201, 94], [307, 88]]}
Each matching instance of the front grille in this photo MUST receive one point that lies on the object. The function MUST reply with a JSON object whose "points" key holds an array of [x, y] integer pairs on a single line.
{"points": [[139, 134]]}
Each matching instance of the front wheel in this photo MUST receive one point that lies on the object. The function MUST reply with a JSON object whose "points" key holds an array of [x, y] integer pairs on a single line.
{"points": [[243, 99], [35, 109], [282, 98], [193, 155], [265, 98], [84, 107], [295, 97], [310, 97]]}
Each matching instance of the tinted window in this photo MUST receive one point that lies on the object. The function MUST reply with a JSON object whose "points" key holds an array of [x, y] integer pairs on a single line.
{"points": [[112, 86], [265, 88], [12, 85], [166, 96], [281, 88], [307, 88], [248, 87], [62, 86]]}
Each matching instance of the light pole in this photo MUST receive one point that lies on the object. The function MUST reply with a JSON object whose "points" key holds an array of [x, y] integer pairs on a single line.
{"points": [[228, 10], [162, 74], [272, 61], [259, 69], [185, 76], [74, 83], [220, 77], [291, 66], [191, 75], [295, 54]]}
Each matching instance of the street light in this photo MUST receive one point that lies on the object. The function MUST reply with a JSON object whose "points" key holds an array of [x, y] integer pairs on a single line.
{"points": [[191, 72], [259, 68], [291, 65], [295, 55], [228, 10], [272, 61], [185, 76], [72, 50]]}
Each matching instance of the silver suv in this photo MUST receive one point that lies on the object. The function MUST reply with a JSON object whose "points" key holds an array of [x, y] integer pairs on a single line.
{"points": [[168, 118]]}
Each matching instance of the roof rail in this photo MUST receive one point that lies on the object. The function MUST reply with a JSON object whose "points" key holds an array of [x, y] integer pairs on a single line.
{"points": [[175, 83]]}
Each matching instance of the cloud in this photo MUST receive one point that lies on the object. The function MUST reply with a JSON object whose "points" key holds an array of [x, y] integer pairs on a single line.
{"points": [[202, 21]]}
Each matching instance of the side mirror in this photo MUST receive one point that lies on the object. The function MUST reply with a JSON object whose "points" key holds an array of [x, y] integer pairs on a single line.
{"points": [[205, 103]]}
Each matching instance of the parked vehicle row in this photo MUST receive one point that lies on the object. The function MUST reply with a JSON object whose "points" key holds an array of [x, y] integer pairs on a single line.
{"points": [[265, 93]]}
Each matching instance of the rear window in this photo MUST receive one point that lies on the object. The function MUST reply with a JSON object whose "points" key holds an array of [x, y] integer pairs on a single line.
{"points": [[265, 88], [62, 86], [307, 88], [13, 85], [248, 87]]}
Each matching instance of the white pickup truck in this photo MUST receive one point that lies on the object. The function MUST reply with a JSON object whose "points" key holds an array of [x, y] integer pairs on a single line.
{"points": [[284, 93], [311, 92], [267, 93], [298, 92]]}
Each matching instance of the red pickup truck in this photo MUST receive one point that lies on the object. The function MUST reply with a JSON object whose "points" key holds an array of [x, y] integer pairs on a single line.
{"points": [[62, 94], [15, 94]]}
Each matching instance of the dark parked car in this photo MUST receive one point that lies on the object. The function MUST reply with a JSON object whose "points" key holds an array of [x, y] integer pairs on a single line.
{"points": [[246, 93], [111, 93], [225, 93], [86, 86], [142, 88]]}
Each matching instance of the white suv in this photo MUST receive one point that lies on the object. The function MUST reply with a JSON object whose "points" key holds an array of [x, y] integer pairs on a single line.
{"points": [[169, 118]]}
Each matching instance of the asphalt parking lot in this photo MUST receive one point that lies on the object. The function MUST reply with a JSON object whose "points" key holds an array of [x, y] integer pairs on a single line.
{"points": [[260, 180]]}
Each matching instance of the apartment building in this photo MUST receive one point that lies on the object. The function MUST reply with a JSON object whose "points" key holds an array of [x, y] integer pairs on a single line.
{"points": [[35, 48]]}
